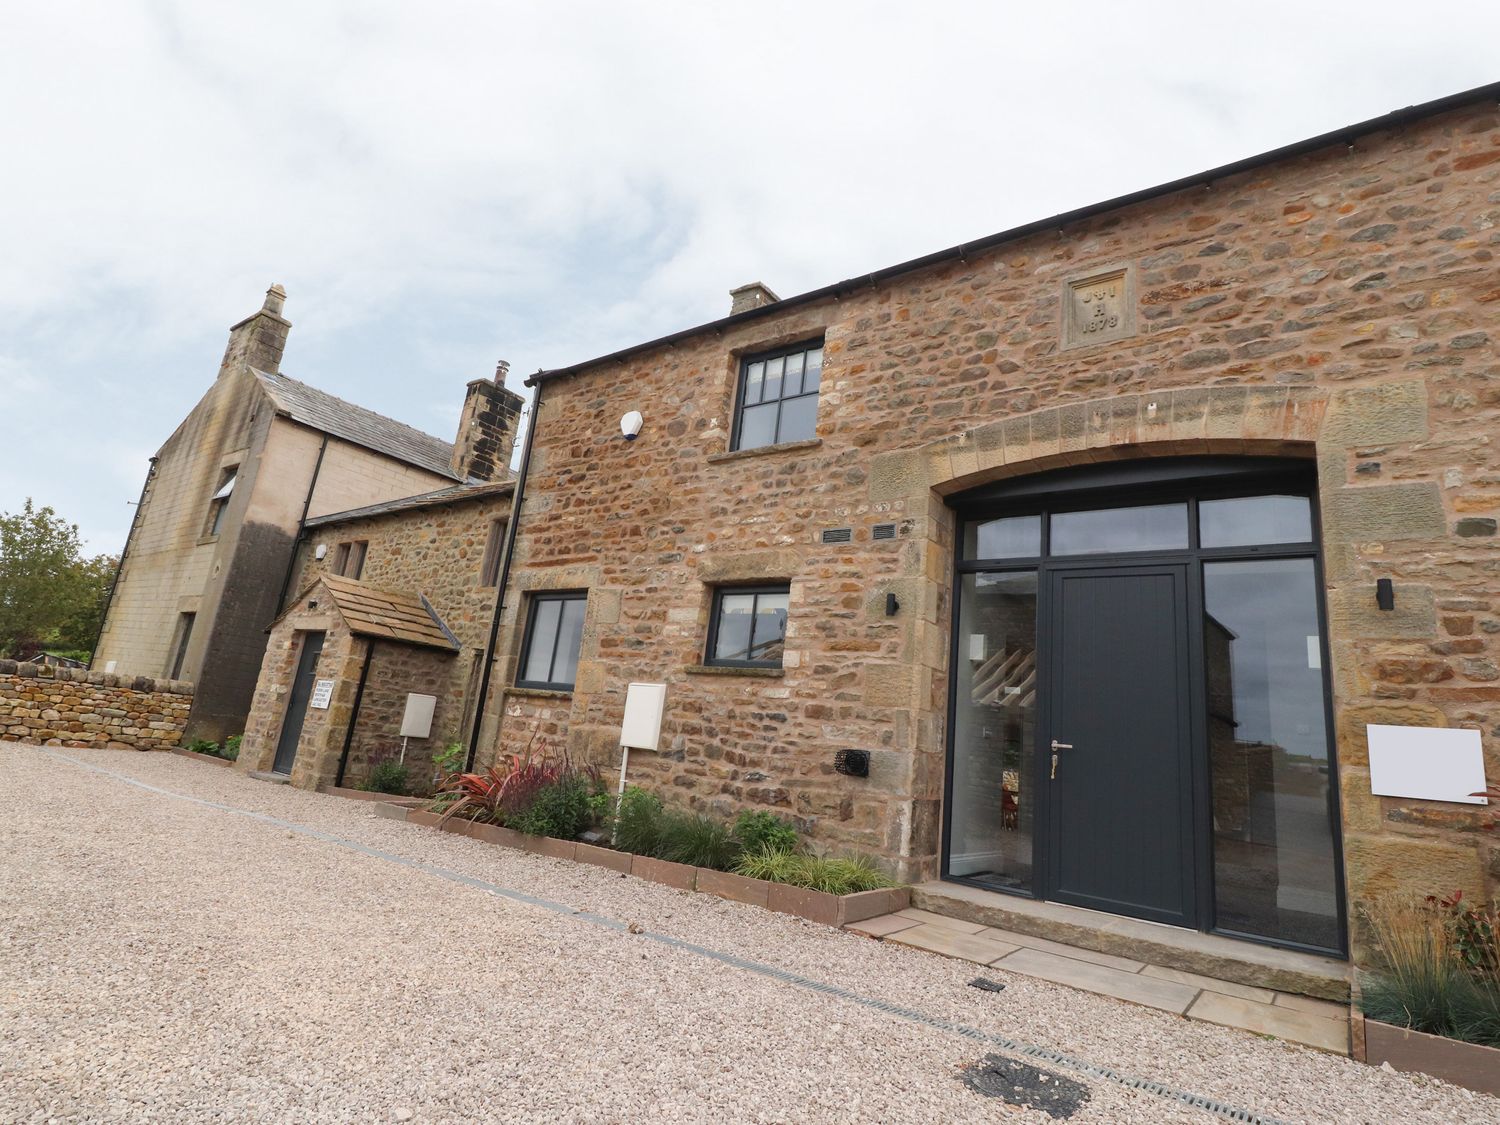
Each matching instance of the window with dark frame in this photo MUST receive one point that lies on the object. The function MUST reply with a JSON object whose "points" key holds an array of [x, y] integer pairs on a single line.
{"points": [[554, 636], [748, 626], [489, 569], [777, 400], [218, 503]]}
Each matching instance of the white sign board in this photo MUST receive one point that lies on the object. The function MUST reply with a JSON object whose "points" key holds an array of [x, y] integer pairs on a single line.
{"points": [[644, 704], [1429, 763], [417, 722], [322, 692]]}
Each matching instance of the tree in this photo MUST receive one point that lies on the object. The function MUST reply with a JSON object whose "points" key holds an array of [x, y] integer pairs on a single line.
{"points": [[50, 594]]}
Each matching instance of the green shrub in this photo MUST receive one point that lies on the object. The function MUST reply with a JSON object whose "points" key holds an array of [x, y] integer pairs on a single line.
{"points": [[231, 748], [387, 775], [562, 809], [203, 746], [450, 759], [838, 876], [696, 840], [761, 830], [637, 821]]}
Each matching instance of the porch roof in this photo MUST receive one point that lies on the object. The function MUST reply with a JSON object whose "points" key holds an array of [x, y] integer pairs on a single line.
{"points": [[386, 615]]}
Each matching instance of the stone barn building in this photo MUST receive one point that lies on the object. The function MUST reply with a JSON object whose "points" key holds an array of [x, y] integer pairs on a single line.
{"points": [[1102, 539], [208, 561]]}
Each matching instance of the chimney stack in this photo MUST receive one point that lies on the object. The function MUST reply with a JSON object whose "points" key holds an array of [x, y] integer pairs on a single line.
{"points": [[259, 340], [751, 296], [487, 429]]}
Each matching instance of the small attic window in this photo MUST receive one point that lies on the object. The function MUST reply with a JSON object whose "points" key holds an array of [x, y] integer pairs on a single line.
{"points": [[219, 501]]}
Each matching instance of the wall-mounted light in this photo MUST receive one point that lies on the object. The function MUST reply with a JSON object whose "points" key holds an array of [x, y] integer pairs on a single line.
{"points": [[320, 552], [1385, 594], [631, 423], [891, 605]]}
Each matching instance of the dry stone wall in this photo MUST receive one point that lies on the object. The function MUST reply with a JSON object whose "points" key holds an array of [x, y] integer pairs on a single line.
{"points": [[74, 707]]}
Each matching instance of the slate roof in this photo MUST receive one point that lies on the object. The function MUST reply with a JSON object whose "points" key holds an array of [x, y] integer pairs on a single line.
{"points": [[452, 494], [388, 616], [332, 415]]}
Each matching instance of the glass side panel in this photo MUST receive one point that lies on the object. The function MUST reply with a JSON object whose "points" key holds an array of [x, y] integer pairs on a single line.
{"points": [[754, 377], [773, 378], [538, 668], [769, 639], [1015, 537], [792, 380], [1249, 520], [736, 615], [1274, 872], [569, 640], [1153, 527], [994, 733]]}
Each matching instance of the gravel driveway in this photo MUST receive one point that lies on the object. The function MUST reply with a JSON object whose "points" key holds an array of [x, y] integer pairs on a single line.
{"points": [[181, 943]]}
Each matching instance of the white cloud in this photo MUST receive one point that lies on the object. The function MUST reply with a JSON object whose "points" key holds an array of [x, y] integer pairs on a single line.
{"points": [[443, 185]]}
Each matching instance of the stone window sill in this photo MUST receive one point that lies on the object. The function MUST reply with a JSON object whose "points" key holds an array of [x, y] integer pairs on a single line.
{"points": [[204, 540], [730, 670], [763, 450], [538, 693]]}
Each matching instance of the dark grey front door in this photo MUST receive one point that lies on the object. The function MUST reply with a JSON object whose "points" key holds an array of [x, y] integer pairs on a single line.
{"points": [[1120, 797], [296, 708]]}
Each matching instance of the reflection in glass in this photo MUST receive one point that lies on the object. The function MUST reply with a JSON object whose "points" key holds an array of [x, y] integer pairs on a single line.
{"points": [[1250, 520], [994, 730], [1015, 537], [1153, 527], [1274, 873], [543, 639], [751, 628]]}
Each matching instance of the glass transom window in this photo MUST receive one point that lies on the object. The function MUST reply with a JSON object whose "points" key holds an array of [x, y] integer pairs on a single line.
{"points": [[778, 397]]}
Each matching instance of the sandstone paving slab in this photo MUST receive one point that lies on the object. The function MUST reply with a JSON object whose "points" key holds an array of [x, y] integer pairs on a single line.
{"points": [[951, 943], [1153, 992], [1213, 984], [958, 925], [1273, 1019]]}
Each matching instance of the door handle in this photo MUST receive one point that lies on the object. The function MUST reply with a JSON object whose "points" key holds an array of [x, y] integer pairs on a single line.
{"points": [[1056, 746]]}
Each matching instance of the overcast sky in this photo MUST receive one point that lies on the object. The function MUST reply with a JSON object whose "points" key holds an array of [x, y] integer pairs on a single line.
{"points": [[441, 185]]}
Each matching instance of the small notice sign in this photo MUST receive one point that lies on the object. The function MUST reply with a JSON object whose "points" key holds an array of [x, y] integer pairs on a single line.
{"points": [[322, 692]]}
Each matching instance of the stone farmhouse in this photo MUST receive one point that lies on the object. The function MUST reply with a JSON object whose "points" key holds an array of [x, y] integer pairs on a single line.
{"points": [[1141, 559], [209, 559]]}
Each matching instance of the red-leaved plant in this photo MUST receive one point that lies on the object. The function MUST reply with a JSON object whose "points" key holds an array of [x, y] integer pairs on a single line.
{"points": [[507, 788]]}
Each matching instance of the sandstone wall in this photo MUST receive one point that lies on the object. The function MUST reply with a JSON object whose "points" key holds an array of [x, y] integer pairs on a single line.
{"points": [[1337, 306], [72, 707]]}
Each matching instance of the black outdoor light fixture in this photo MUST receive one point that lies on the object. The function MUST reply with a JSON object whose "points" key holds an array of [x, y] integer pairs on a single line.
{"points": [[854, 763], [891, 605], [1385, 594]]}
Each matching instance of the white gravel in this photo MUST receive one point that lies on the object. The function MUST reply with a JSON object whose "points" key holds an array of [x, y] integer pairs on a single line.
{"points": [[167, 961]]}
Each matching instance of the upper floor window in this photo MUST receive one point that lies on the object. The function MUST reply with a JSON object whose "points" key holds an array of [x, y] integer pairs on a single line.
{"points": [[748, 627], [219, 502], [349, 558], [554, 636], [778, 397]]}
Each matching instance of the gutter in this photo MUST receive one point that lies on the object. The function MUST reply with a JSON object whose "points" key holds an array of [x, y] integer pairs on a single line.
{"points": [[109, 598], [1345, 136], [503, 583], [291, 563]]}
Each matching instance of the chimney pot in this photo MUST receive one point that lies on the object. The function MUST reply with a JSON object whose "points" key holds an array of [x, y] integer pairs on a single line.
{"points": [[502, 369], [751, 296]]}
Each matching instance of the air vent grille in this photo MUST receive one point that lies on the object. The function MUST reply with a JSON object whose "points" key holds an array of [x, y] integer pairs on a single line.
{"points": [[884, 531], [837, 535]]}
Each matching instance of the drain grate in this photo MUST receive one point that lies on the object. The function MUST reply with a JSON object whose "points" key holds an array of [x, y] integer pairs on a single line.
{"points": [[1026, 1086]]}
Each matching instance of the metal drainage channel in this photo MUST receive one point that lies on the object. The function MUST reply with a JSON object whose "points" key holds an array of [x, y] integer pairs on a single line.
{"points": [[1080, 1066]]}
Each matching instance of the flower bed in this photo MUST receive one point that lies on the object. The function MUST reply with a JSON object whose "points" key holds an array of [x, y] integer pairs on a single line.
{"points": [[816, 906]]}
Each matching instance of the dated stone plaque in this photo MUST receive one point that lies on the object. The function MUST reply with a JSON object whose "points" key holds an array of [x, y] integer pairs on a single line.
{"points": [[1099, 308]]}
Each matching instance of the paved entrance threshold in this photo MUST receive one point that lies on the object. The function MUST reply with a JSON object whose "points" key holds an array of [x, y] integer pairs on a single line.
{"points": [[1291, 1016]]}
